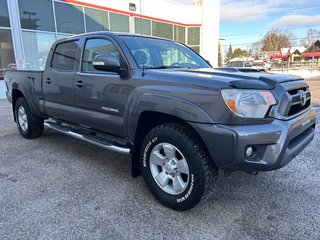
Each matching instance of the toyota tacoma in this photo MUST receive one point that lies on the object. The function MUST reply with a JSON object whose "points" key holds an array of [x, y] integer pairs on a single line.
{"points": [[162, 103]]}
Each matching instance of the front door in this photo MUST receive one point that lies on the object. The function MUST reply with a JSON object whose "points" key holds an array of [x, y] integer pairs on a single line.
{"points": [[100, 97]]}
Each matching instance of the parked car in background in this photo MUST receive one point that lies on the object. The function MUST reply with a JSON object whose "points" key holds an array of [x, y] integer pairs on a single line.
{"points": [[261, 66], [239, 64]]}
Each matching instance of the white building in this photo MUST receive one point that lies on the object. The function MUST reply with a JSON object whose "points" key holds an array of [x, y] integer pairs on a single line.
{"points": [[29, 27]]}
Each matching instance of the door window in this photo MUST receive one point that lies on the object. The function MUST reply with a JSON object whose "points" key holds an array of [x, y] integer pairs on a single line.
{"points": [[64, 56], [96, 47]]}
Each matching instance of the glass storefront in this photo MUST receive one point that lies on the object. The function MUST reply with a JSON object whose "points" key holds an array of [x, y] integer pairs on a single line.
{"points": [[7, 59], [142, 26], [36, 15], [180, 34], [96, 20], [6, 52], [44, 21], [160, 29], [119, 22], [4, 15], [69, 18], [36, 48], [194, 38]]}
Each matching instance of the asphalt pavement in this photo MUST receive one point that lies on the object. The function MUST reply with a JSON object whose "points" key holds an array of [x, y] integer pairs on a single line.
{"points": [[57, 187]]}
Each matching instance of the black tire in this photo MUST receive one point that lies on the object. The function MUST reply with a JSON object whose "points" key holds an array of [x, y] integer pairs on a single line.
{"points": [[34, 126], [202, 172]]}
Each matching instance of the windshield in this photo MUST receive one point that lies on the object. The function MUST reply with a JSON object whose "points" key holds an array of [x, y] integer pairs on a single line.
{"points": [[154, 53]]}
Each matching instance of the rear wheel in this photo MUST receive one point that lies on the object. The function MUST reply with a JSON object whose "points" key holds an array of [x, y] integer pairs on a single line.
{"points": [[176, 166], [29, 126]]}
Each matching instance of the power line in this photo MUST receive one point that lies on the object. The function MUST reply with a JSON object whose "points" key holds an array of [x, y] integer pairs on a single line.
{"points": [[252, 33], [245, 44], [270, 13]]}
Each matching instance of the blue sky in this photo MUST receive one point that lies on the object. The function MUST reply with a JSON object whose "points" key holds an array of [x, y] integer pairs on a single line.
{"points": [[246, 21], [259, 16]]}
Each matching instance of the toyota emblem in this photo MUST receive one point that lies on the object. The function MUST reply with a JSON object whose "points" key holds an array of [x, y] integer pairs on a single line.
{"points": [[303, 97]]}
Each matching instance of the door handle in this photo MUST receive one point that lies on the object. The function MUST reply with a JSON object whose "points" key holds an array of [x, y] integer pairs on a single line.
{"points": [[79, 84], [48, 80]]}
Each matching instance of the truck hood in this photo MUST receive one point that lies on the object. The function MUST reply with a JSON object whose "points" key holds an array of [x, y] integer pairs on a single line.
{"points": [[234, 78]]}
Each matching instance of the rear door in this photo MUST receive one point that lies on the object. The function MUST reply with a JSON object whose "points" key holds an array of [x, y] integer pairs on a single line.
{"points": [[58, 81], [100, 97]]}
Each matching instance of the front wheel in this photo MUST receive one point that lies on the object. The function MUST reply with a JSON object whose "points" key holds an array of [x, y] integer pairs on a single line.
{"points": [[176, 166], [29, 125]]}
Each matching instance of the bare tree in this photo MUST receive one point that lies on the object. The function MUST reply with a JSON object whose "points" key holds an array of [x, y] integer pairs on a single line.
{"points": [[312, 36], [220, 63], [276, 39], [256, 49]]}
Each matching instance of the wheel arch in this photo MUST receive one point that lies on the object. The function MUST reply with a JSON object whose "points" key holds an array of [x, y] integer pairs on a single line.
{"points": [[147, 121], [16, 94]]}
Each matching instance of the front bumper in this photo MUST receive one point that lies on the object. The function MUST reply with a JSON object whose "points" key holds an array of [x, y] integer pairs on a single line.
{"points": [[275, 144]]}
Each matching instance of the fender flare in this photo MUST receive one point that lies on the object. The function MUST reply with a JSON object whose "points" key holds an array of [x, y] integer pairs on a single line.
{"points": [[160, 103]]}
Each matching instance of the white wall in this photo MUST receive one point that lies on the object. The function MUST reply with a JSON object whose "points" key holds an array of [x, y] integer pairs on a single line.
{"points": [[210, 31]]}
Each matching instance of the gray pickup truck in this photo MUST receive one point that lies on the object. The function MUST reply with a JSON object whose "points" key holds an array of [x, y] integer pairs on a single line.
{"points": [[180, 119]]}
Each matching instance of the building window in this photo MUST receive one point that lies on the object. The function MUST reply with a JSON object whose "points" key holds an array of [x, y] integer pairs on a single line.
{"points": [[6, 52], [163, 30], [4, 15], [96, 20], [36, 47], [142, 26], [193, 36], [180, 34], [36, 15], [62, 35], [64, 56], [69, 18], [93, 48], [119, 22], [196, 49]]}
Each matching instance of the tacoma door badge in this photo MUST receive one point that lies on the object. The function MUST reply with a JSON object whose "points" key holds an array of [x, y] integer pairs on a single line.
{"points": [[110, 109]]}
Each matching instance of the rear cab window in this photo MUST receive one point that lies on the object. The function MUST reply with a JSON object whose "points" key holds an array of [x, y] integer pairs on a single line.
{"points": [[65, 56]]}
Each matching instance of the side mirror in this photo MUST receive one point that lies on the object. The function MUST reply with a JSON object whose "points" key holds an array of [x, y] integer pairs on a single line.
{"points": [[207, 61], [106, 62]]}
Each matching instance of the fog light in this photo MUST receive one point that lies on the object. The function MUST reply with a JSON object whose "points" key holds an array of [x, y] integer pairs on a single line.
{"points": [[249, 152]]}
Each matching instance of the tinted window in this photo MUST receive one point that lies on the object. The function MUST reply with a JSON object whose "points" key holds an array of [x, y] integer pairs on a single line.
{"points": [[119, 23], [4, 15], [96, 20], [142, 26], [93, 48], [36, 15], [193, 36], [163, 30], [179, 34], [69, 18], [64, 56]]}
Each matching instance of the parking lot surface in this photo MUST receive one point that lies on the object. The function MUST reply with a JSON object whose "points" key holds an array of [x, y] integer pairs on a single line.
{"points": [[57, 187]]}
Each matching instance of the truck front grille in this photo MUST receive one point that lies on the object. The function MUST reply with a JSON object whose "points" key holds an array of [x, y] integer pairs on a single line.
{"points": [[301, 100], [295, 101]]}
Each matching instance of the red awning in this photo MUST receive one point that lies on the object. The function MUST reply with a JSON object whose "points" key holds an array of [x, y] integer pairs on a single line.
{"points": [[278, 56], [314, 54]]}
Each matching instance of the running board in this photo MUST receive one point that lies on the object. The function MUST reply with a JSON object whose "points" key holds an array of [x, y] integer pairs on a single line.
{"points": [[98, 141]]}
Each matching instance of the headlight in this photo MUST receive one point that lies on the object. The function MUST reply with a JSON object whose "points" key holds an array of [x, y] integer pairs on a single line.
{"points": [[248, 103]]}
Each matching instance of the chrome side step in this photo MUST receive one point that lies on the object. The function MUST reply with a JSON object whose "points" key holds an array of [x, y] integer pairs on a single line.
{"points": [[98, 141]]}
